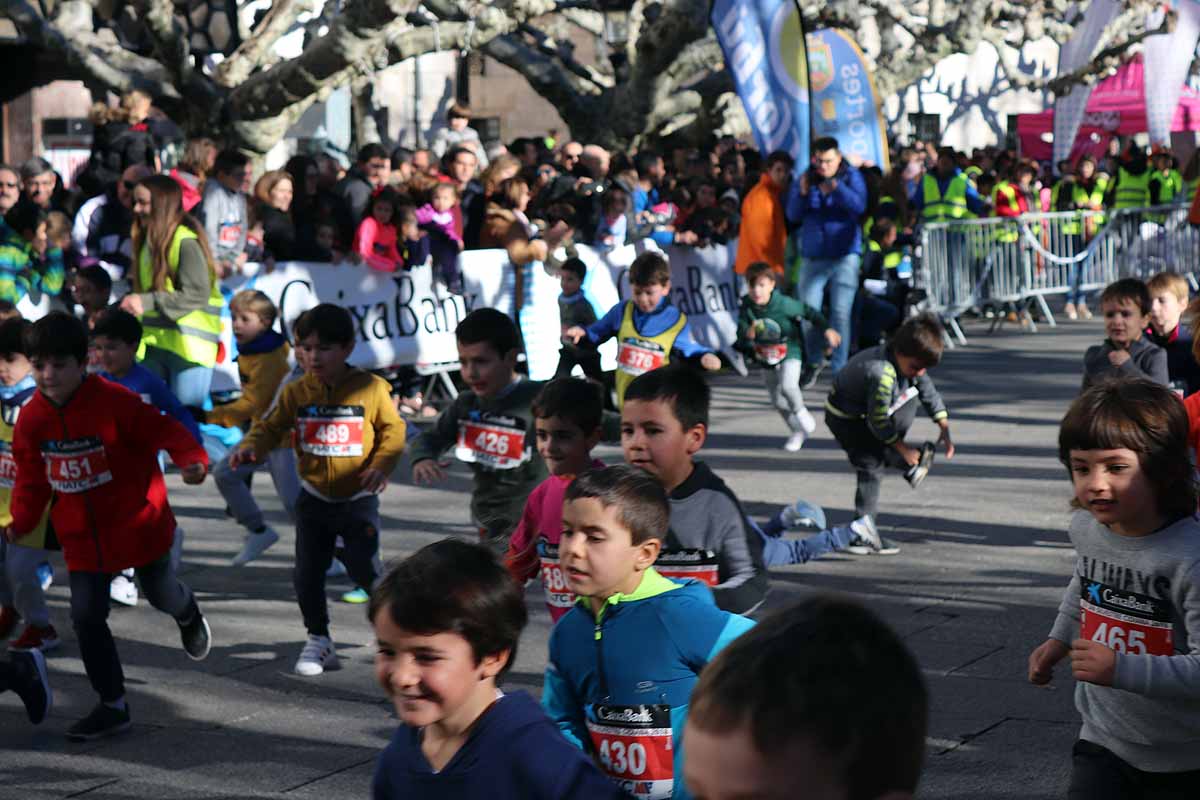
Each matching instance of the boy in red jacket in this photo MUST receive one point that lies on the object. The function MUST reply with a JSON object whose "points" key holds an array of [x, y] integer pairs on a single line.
{"points": [[93, 446]]}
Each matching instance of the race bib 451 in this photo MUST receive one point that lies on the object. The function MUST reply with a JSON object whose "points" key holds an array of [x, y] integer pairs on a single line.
{"points": [[331, 431], [74, 466], [634, 747], [1125, 621]]}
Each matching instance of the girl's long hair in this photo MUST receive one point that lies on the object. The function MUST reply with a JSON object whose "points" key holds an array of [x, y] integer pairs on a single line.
{"points": [[166, 214]]}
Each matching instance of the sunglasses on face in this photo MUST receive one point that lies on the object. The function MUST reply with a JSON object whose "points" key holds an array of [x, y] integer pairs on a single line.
{"points": [[8, 185]]}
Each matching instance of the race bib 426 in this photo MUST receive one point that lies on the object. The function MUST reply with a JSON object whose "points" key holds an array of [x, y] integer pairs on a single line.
{"points": [[331, 431], [634, 747], [76, 465], [491, 443], [1125, 621]]}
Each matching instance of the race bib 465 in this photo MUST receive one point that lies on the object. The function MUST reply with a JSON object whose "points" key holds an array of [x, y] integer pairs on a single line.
{"points": [[74, 466], [332, 431], [1125, 621]]}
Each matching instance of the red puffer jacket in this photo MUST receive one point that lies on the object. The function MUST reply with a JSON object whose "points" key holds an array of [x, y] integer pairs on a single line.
{"points": [[98, 456]]}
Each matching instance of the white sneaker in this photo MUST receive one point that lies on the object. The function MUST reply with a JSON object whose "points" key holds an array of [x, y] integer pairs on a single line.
{"points": [[123, 590], [317, 656], [807, 422], [255, 545], [794, 442], [868, 542]]}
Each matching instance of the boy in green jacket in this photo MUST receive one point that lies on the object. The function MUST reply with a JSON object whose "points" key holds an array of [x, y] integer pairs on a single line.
{"points": [[769, 332]]}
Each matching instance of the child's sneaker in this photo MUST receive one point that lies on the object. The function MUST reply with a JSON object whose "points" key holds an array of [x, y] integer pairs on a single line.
{"points": [[255, 545], [33, 686], [803, 514], [45, 574], [807, 422], [35, 637], [195, 635], [795, 442], [123, 590], [8, 621], [867, 541], [103, 721], [317, 656], [356, 596], [916, 473]]}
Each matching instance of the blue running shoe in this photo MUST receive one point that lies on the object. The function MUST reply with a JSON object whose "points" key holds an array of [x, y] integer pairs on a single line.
{"points": [[803, 514]]}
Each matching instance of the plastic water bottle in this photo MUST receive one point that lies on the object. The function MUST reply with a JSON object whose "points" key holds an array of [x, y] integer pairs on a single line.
{"points": [[904, 269]]}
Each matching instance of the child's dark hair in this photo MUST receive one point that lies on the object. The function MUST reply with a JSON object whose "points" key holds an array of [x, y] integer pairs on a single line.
{"points": [[25, 216], [12, 336], [405, 214], [98, 277], [679, 386], [8, 311], [921, 338], [830, 673], [454, 586], [491, 326], [578, 401], [1140, 415], [1131, 289], [332, 324], [757, 271], [576, 267], [649, 269], [57, 335], [639, 498], [120, 325]]}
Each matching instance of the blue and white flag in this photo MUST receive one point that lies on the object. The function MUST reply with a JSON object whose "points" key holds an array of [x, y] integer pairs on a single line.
{"points": [[844, 100]]}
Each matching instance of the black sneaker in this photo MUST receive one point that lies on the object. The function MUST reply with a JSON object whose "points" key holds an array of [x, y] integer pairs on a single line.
{"points": [[917, 473], [810, 373], [103, 721], [33, 687], [196, 635]]}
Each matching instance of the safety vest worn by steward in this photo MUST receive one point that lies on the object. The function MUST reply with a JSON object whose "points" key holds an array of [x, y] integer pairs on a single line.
{"points": [[1008, 192], [1170, 185], [194, 336], [891, 259], [940, 207], [1080, 198], [638, 354], [1133, 191]]}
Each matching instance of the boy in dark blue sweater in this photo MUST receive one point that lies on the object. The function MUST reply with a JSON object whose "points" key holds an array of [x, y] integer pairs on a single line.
{"points": [[447, 620]]}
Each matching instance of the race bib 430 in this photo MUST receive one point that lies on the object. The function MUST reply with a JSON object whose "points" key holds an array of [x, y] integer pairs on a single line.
{"points": [[634, 747], [76, 465], [332, 431], [1125, 621]]}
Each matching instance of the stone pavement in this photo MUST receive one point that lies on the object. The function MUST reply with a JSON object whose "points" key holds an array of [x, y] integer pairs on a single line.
{"points": [[984, 561]]}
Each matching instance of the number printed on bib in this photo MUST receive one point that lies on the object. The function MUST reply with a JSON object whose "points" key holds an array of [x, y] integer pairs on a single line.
{"points": [[554, 583], [1124, 621], [903, 400], [332, 431], [700, 565], [634, 747], [8, 466], [771, 354], [638, 356], [492, 441], [76, 465]]}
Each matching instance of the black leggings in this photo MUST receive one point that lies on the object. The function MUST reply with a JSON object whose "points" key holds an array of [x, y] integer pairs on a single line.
{"points": [[1098, 774]]}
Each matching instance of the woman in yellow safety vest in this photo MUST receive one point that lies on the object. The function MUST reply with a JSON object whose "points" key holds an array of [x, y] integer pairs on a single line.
{"points": [[175, 290]]}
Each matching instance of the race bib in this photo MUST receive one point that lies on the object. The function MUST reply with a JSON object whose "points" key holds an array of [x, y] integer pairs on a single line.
{"points": [[1125, 621], [700, 565], [332, 431], [903, 400], [771, 354], [8, 467], [229, 233], [74, 466], [634, 747], [638, 356], [495, 442], [554, 583]]}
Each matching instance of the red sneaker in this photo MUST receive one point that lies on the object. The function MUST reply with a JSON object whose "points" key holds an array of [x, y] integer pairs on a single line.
{"points": [[8, 621], [35, 638]]}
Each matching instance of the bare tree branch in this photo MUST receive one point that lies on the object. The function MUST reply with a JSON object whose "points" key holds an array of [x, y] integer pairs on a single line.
{"points": [[549, 46], [252, 53], [170, 39]]}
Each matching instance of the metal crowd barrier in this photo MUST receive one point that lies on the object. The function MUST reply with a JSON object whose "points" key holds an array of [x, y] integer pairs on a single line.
{"points": [[1015, 263]]}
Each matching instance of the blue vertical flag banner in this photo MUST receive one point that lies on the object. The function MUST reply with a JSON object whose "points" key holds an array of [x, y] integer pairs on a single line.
{"points": [[763, 42], [845, 103]]}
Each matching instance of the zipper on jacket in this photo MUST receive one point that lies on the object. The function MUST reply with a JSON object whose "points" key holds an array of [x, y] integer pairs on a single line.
{"points": [[599, 636]]}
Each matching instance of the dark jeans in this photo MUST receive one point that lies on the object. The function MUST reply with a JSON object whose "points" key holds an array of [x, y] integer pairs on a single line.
{"points": [[1098, 774], [89, 614], [585, 355], [318, 525], [868, 455]]}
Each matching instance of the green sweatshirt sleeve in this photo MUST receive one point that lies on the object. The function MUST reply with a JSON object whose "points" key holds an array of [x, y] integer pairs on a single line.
{"points": [[444, 433], [192, 285]]}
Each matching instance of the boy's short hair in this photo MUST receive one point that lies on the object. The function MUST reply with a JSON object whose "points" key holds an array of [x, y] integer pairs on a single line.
{"points": [[759, 270], [12, 336], [228, 162], [649, 269], [25, 217], [57, 335], [331, 323], [1132, 290], [1143, 416], [452, 586], [255, 302], [120, 325], [921, 338], [576, 267], [458, 109], [1171, 282], [98, 277], [639, 498], [578, 401], [680, 387], [829, 673], [491, 326]]}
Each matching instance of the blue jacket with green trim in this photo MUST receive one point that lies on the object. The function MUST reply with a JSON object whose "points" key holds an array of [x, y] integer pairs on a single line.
{"points": [[644, 648], [871, 388]]}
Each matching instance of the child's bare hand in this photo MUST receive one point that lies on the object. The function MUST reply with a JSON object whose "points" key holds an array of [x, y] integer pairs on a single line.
{"points": [[427, 472], [833, 337], [575, 333], [1093, 662], [710, 362], [243, 456], [1118, 357], [1043, 659], [945, 440], [373, 480], [193, 474]]}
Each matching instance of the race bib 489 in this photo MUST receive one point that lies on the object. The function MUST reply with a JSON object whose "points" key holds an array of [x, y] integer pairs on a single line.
{"points": [[76, 465], [335, 431], [1125, 621]]}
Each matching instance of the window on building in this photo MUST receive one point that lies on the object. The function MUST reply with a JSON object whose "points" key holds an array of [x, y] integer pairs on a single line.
{"points": [[926, 127], [488, 128]]}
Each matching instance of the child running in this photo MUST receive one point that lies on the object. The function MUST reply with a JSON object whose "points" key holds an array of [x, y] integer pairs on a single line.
{"points": [[624, 660], [348, 438], [440, 657], [769, 330], [490, 427], [566, 418], [648, 327], [94, 446], [1125, 305], [1168, 299], [1130, 617]]}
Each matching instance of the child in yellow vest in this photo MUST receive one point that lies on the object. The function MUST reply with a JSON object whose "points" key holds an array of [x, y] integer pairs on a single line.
{"points": [[648, 328]]}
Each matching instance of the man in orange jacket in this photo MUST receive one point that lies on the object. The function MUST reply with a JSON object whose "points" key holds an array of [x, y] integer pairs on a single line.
{"points": [[763, 234]]}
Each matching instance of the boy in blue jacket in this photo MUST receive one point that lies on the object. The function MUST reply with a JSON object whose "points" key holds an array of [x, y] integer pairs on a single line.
{"points": [[447, 621], [623, 661]]}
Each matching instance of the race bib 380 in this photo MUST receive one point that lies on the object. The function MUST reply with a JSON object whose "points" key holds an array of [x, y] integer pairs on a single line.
{"points": [[74, 466], [634, 747], [1127, 622], [554, 583], [332, 431]]}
